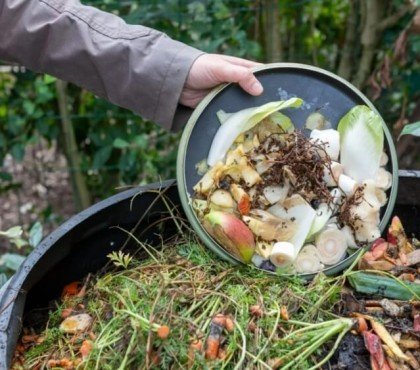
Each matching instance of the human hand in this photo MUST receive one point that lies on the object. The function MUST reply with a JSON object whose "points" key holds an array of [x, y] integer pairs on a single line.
{"points": [[210, 70]]}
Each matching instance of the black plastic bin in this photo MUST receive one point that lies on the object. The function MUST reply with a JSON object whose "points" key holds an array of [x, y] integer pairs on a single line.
{"points": [[81, 245]]}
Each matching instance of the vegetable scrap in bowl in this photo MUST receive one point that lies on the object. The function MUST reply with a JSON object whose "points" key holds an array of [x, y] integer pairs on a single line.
{"points": [[282, 200]]}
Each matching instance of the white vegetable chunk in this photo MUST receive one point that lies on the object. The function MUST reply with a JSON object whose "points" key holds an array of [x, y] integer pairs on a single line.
{"points": [[381, 196], [332, 173], [308, 260], [331, 245], [330, 139], [264, 248], [384, 159], [276, 193], [365, 214], [348, 234], [222, 198], [282, 254], [383, 179], [347, 184]]}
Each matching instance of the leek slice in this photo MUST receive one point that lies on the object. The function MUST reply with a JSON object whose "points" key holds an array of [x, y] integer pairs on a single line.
{"points": [[362, 142], [242, 121]]}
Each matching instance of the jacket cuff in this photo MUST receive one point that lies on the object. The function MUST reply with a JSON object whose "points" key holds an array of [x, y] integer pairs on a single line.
{"points": [[173, 83]]}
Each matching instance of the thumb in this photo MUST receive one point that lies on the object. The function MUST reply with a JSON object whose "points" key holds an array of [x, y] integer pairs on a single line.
{"points": [[242, 75]]}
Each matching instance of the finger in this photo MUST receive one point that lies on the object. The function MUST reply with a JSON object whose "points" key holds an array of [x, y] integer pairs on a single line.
{"points": [[251, 85], [244, 76], [240, 61]]}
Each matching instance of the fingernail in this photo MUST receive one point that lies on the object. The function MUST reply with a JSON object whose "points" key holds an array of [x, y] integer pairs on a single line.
{"points": [[256, 88]]}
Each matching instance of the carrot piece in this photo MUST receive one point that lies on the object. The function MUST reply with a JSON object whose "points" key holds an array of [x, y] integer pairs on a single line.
{"points": [[220, 320], [284, 314], [244, 205], [163, 332], [222, 354], [71, 289], [86, 348], [256, 310], [361, 324], [230, 325], [212, 347]]}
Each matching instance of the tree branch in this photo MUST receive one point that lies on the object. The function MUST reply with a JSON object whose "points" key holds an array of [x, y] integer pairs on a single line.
{"points": [[394, 18]]}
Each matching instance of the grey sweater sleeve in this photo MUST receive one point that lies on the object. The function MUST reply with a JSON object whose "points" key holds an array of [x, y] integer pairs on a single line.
{"points": [[135, 67]]}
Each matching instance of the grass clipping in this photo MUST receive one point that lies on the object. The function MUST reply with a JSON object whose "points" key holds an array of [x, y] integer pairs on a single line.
{"points": [[180, 309]]}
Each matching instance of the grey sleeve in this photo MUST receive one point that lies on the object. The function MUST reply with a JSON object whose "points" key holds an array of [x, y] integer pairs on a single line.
{"points": [[135, 67]]}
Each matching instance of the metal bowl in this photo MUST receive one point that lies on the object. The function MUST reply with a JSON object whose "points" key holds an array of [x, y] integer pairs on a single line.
{"points": [[321, 91]]}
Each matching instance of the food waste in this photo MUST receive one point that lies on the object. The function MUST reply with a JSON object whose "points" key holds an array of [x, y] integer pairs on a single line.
{"points": [[271, 196]]}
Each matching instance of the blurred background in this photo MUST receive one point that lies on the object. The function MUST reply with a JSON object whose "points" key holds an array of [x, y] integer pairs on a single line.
{"points": [[62, 149]]}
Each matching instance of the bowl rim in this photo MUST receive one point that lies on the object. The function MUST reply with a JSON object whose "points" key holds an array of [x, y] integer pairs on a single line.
{"points": [[182, 151]]}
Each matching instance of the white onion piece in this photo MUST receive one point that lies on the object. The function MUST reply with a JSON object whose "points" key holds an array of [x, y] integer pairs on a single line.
{"points": [[263, 166], [347, 184], [222, 198], [365, 215], [369, 195], [383, 179], [282, 254], [384, 159], [264, 248], [381, 196], [308, 260], [348, 234], [332, 174], [331, 245], [257, 260], [276, 193], [329, 139]]}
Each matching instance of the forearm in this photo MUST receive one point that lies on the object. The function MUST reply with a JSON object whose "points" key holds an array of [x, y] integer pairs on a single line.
{"points": [[132, 66]]}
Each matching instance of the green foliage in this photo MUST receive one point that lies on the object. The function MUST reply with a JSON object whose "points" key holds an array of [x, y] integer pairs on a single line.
{"points": [[411, 129], [120, 259]]}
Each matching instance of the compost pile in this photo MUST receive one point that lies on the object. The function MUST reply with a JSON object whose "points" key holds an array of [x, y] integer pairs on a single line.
{"points": [[179, 309]]}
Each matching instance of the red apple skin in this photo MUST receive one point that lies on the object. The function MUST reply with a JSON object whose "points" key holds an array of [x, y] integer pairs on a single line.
{"points": [[231, 233]]}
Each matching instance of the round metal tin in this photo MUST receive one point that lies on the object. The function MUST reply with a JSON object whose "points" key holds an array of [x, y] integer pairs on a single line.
{"points": [[321, 91]]}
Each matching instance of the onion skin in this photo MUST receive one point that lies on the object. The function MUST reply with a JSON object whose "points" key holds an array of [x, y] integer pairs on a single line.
{"points": [[231, 233]]}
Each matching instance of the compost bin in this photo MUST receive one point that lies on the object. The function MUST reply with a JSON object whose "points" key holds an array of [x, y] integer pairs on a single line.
{"points": [[81, 246]]}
